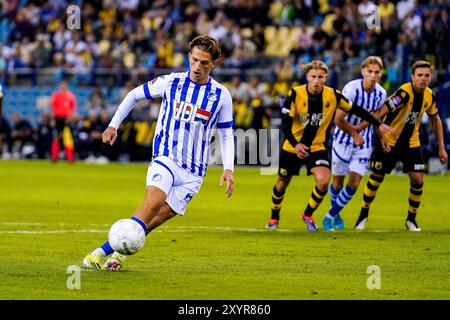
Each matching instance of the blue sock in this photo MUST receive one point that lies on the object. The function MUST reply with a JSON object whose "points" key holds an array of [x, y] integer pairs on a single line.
{"points": [[143, 225], [333, 194], [106, 247], [344, 197]]}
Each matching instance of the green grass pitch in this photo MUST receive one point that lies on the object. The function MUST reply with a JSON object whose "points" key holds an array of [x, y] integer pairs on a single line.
{"points": [[52, 215]]}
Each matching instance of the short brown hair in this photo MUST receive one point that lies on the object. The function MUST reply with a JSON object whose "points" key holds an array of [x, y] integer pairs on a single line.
{"points": [[315, 64], [207, 44], [420, 64], [372, 60]]}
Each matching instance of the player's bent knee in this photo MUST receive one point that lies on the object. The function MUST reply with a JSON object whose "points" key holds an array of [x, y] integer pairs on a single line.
{"points": [[322, 185]]}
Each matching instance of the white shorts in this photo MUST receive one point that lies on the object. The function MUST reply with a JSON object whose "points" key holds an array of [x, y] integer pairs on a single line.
{"points": [[347, 158], [179, 185]]}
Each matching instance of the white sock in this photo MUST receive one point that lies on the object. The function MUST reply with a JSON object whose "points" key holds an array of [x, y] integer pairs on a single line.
{"points": [[99, 250]]}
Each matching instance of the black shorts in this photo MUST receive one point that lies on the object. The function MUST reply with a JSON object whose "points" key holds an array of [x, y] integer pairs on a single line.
{"points": [[383, 163], [60, 123], [290, 164]]}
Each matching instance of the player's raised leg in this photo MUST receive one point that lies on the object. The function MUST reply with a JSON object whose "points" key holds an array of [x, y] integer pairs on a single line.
{"points": [[159, 181]]}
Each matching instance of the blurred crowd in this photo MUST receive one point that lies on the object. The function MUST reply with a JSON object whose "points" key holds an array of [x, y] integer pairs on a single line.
{"points": [[148, 34], [264, 44], [22, 139]]}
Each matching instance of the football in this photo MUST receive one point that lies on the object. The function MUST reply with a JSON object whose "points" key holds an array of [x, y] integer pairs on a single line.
{"points": [[126, 236]]}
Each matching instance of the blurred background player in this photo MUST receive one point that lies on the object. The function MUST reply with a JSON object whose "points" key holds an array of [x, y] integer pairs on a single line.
{"points": [[350, 156], [406, 107], [193, 105], [309, 110], [64, 105]]}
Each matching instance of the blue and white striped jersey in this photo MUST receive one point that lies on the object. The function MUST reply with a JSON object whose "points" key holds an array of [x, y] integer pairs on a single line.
{"points": [[188, 115], [371, 101]]}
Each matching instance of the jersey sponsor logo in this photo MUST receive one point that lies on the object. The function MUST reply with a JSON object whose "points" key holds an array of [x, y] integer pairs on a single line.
{"points": [[395, 101], [191, 113], [312, 119], [410, 117]]}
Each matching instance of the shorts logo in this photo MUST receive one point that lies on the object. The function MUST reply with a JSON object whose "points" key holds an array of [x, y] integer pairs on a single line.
{"points": [[376, 165], [283, 172], [156, 177], [419, 167], [188, 198], [322, 162]]}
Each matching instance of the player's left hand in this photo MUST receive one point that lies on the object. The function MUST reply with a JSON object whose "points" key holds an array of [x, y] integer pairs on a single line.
{"points": [[443, 156], [227, 176]]}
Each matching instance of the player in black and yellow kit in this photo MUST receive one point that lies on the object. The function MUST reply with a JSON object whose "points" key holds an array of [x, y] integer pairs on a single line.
{"points": [[404, 110], [309, 110]]}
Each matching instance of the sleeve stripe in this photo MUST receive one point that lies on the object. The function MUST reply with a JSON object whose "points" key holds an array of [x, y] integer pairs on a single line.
{"points": [[147, 91], [222, 125]]}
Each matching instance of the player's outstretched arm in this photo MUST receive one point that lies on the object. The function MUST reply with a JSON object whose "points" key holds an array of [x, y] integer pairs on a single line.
{"points": [[227, 147], [380, 113], [365, 115]]}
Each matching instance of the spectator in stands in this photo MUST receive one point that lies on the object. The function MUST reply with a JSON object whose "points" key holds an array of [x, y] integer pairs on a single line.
{"points": [[64, 105], [96, 101], [21, 134], [44, 136], [41, 52]]}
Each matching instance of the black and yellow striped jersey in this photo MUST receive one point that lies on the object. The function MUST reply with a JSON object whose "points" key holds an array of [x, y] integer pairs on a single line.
{"points": [[312, 115], [406, 108]]}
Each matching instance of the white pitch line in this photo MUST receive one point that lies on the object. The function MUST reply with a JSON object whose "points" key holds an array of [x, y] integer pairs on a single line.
{"points": [[24, 223], [181, 230], [51, 231]]}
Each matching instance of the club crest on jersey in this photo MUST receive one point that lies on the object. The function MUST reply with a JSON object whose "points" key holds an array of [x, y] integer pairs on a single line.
{"points": [[191, 113], [212, 96]]}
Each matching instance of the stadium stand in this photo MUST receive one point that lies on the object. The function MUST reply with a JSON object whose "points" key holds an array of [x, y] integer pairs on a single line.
{"points": [[136, 40]]}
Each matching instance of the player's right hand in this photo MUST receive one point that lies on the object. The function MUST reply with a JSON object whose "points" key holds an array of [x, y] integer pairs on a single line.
{"points": [[385, 146], [301, 150], [385, 129], [358, 140], [109, 135]]}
